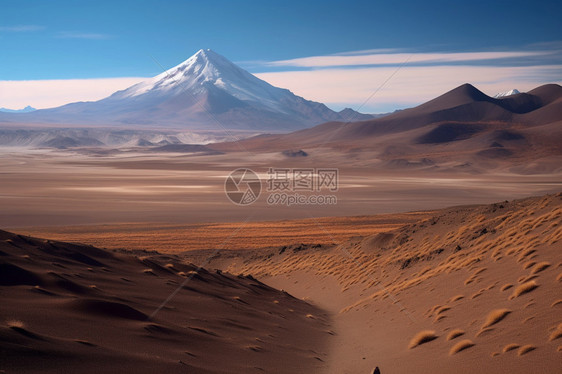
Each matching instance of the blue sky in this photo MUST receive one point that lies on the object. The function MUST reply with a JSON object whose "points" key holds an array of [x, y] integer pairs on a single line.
{"points": [[71, 40]]}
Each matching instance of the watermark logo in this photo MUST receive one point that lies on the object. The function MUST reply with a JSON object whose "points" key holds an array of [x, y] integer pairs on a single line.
{"points": [[309, 179], [242, 186], [284, 186]]}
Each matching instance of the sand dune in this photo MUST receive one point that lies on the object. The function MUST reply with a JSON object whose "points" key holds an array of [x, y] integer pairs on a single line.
{"points": [[463, 289], [474, 288], [76, 308]]}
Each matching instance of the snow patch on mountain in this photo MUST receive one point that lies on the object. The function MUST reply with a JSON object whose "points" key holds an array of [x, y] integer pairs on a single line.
{"points": [[506, 93], [205, 92], [204, 68]]}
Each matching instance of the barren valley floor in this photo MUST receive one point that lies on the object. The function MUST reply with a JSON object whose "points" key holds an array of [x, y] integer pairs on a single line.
{"points": [[408, 272], [62, 188], [459, 289]]}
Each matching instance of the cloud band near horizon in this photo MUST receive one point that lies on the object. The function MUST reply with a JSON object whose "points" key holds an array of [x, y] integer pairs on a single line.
{"points": [[373, 59], [345, 79], [42, 94]]}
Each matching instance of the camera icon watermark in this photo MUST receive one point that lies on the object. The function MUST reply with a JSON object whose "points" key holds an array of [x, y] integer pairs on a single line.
{"points": [[242, 186], [284, 186]]}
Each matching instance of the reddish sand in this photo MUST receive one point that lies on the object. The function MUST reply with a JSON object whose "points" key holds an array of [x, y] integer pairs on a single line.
{"points": [[473, 289], [71, 308], [249, 235], [457, 290]]}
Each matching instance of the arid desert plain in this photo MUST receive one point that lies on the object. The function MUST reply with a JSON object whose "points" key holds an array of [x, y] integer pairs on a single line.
{"points": [[295, 187], [166, 274]]}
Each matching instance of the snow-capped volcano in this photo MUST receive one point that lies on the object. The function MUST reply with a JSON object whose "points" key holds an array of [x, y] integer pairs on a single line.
{"points": [[205, 68], [206, 91], [506, 93]]}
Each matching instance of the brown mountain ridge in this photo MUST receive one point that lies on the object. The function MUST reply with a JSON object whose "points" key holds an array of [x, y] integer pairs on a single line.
{"points": [[463, 125]]}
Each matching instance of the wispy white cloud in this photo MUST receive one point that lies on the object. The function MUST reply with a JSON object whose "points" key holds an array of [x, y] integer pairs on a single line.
{"points": [[82, 35], [370, 51], [348, 79], [410, 86], [21, 28], [42, 94], [365, 58]]}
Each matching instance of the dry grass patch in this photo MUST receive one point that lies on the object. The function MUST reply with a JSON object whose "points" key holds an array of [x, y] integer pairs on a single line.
{"points": [[506, 287], [525, 254], [455, 334], [457, 298], [479, 271], [15, 323], [526, 349], [433, 309], [556, 334], [540, 267], [461, 346], [422, 337], [529, 304], [528, 278], [479, 293], [523, 289], [510, 347], [495, 316], [484, 331]]}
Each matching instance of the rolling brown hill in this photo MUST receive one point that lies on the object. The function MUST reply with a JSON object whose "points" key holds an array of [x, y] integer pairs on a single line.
{"points": [[76, 308], [471, 289], [463, 125], [475, 288]]}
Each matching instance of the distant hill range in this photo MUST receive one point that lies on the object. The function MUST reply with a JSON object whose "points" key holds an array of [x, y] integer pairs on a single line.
{"points": [[461, 127], [205, 92], [27, 109]]}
